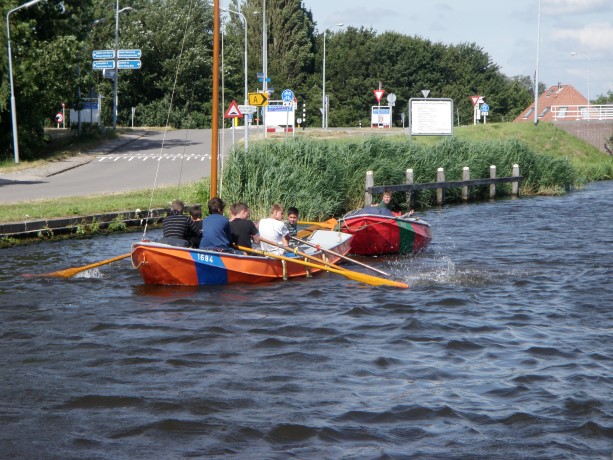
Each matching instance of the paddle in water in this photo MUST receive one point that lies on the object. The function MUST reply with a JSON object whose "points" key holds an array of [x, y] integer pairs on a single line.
{"points": [[70, 272]]}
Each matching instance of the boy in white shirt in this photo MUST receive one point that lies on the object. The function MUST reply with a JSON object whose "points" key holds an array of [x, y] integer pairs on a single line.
{"points": [[273, 229]]}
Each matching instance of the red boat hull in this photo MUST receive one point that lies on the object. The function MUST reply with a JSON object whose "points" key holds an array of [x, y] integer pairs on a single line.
{"points": [[377, 235]]}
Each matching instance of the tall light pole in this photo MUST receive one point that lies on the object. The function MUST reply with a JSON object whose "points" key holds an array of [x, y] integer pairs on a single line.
{"points": [[536, 74], [324, 106], [246, 97], [264, 61], [574, 53], [13, 104], [117, 11]]}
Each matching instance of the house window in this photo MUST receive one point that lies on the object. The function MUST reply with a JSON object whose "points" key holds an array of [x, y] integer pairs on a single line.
{"points": [[542, 114], [551, 91], [562, 112], [529, 112]]}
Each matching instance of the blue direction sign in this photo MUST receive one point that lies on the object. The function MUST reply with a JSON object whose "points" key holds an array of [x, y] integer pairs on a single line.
{"points": [[101, 65], [129, 54], [287, 95], [484, 108], [103, 54], [129, 64]]}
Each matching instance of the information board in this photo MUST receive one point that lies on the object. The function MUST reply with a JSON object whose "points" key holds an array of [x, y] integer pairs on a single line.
{"points": [[381, 116], [431, 117]]}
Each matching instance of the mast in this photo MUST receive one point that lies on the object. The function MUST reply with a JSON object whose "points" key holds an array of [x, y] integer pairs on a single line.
{"points": [[215, 101]]}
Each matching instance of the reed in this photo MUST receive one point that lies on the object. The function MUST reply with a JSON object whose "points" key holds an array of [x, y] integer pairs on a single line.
{"points": [[324, 178]]}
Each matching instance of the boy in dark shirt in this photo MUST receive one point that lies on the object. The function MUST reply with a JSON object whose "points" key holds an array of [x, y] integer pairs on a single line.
{"points": [[243, 229]]}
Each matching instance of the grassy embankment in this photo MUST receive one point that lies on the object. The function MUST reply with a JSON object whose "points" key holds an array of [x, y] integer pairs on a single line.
{"points": [[324, 177]]}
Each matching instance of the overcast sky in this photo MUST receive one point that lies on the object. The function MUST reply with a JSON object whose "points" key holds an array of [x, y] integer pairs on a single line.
{"points": [[505, 29]]}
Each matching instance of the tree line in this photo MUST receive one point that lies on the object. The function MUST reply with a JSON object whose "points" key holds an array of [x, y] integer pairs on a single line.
{"points": [[52, 44]]}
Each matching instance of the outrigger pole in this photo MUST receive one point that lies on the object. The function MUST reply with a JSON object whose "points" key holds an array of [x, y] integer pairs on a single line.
{"points": [[215, 101]]}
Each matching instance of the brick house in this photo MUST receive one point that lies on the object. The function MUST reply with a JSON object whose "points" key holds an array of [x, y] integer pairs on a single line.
{"points": [[560, 96]]}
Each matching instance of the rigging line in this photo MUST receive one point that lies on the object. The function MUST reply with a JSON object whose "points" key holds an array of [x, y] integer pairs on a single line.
{"points": [[174, 87]]}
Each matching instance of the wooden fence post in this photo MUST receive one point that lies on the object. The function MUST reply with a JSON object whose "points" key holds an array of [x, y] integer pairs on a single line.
{"points": [[370, 182], [465, 176], [492, 186], [409, 181], [440, 177], [515, 185]]}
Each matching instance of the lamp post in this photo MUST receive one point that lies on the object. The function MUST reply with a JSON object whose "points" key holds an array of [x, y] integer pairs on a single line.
{"points": [[574, 53], [13, 104], [536, 74], [117, 11], [264, 62], [324, 106], [246, 97]]}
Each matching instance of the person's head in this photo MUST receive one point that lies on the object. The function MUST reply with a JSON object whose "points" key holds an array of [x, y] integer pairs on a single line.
{"points": [[241, 211], [276, 212], [216, 206], [292, 215], [177, 205], [196, 212], [387, 196]]}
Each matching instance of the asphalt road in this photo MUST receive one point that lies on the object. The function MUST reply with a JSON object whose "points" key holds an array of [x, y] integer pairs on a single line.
{"points": [[132, 162]]}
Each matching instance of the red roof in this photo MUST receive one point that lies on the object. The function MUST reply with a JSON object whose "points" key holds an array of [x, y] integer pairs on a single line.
{"points": [[562, 95]]}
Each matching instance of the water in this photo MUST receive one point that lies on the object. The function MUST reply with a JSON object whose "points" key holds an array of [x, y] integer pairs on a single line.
{"points": [[501, 349]]}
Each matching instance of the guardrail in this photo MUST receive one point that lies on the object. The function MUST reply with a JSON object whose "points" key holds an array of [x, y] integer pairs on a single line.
{"points": [[582, 112], [440, 185]]}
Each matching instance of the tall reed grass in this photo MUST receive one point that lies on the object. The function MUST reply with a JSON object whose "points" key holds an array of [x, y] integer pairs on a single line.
{"points": [[324, 178]]}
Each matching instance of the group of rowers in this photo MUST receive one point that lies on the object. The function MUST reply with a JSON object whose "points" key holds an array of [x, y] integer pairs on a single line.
{"points": [[219, 233]]}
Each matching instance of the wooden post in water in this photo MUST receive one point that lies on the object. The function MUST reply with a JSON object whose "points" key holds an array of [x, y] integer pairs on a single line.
{"points": [[493, 186], [409, 181], [440, 177], [465, 176], [370, 182], [515, 185]]}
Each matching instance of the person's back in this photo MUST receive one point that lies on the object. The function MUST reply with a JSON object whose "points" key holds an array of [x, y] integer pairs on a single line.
{"points": [[177, 228], [242, 229], [196, 214], [216, 228], [273, 229]]}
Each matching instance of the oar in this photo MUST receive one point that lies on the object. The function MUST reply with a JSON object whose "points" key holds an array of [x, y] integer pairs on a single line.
{"points": [[329, 224], [355, 276], [69, 272], [381, 272], [303, 254]]}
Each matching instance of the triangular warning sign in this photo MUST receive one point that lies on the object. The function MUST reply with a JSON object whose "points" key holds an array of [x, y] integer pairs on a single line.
{"points": [[233, 111], [379, 94], [475, 99]]}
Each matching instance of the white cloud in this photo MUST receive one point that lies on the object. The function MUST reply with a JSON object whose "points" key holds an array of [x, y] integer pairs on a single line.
{"points": [[564, 7], [595, 36]]}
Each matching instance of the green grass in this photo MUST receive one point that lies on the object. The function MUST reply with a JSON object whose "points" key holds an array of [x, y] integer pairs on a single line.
{"points": [[322, 173]]}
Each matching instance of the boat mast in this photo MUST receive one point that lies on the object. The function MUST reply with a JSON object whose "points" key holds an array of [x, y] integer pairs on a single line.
{"points": [[215, 101]]}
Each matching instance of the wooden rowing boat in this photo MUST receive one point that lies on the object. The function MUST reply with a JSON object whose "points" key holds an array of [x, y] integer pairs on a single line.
{"points": [[378, 231], [171, 265]]}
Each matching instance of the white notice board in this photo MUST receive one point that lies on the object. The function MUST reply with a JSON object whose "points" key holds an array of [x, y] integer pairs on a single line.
{"points": [[431, 117]]}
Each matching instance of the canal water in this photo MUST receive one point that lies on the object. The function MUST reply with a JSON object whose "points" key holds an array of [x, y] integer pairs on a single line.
{"points": [[501, 349]]}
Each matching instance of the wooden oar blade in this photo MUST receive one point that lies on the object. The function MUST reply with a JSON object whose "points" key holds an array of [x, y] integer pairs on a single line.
{"points": [[70, 272]]}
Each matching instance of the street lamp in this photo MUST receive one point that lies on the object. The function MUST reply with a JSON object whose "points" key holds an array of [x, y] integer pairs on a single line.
{"points": [[117, 11], [13, 105], [536, 74], [324, 106], [246, 97], [574, 53], [264, 62]]}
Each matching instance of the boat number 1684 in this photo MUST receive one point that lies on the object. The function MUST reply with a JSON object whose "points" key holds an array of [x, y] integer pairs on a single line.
{"points": [[206, 258]]}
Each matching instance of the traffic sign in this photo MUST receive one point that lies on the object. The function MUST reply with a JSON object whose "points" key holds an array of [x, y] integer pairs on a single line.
{"points": [[287, 95], [484, 108], [109, 73], [129, 54], [103, 54], [59, 117], [247, 109], [100, 65], [378, 94], [475, 99], [258, 99], [391, 98], [129, 64], [233, 111]]}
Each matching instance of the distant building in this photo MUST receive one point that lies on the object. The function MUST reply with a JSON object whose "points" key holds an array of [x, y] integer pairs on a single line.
{"points": [[560, 96]]}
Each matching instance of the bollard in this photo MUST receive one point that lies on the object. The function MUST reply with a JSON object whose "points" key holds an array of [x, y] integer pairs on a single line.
{"points": [[409, 181], [492, 186], [515, 185], [465, 176], [370, 181], [440, 177]]}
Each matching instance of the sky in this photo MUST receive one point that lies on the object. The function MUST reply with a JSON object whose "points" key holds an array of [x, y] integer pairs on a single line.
{"points": [[576, 36]]}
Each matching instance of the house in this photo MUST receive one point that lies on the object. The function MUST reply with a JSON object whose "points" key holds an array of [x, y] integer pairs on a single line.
{"points": [[562, 97]]}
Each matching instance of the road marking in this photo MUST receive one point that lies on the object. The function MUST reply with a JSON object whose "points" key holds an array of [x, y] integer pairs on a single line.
{"points": [[154, 156]]}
